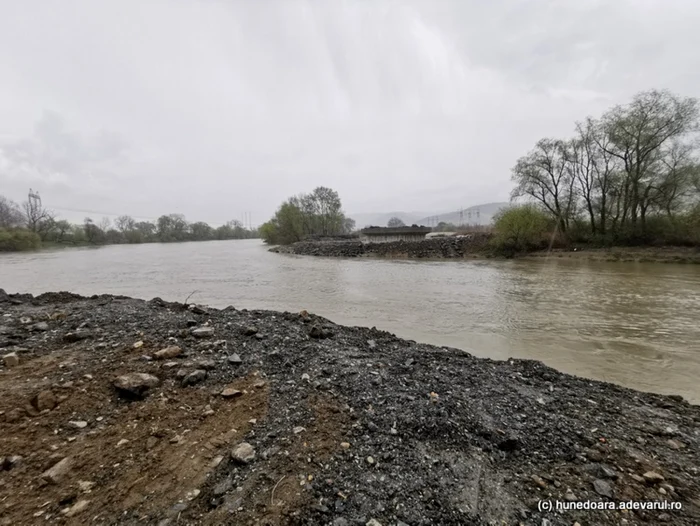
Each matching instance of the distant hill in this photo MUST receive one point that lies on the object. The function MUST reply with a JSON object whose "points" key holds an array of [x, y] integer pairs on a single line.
{"points": [[469, 216], [474, 215], [376, 219]]}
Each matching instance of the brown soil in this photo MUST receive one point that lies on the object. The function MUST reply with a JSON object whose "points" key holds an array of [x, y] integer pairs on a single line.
{"points": [[348, 424]]}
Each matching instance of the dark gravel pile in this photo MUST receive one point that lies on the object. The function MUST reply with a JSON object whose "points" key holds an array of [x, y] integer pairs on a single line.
{"points": [[355, 426], [436, 248]]}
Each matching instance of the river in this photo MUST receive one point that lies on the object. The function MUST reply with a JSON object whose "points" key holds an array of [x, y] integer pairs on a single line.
{"points": [[635, 324]]}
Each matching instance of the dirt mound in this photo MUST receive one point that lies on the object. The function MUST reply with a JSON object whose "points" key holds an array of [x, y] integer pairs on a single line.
{"points": [[256, 417]]}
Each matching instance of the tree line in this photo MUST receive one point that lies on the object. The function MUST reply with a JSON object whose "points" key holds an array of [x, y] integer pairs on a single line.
{"points": [[319, 213], [31, 225], [631, 176]]}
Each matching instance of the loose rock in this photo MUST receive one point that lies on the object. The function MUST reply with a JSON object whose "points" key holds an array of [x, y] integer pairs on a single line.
{"points": [[167, 353], [11, 359], [77, 508], [194, 377], [243, 453], [653, 478], [136, 384], [45, 400], [603, 488], [203, 332], [230, 392], [58, 471]]}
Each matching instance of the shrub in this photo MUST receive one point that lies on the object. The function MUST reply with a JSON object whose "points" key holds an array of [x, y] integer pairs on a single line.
{"points": [[18, 239], [521, 229]]}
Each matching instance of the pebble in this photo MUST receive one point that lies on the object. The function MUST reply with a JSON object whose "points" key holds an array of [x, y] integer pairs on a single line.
{"points": [[668, 487], [298, 429], [234, 359], [41, 326], [370, 461], [243, 453], [538, 481], [569, 496], [373, 522], [169, 352], [11, 359], [675, 444], [208, 411], [78, 424], [122, 442], [85, 486], [345, 445], [662, 491], [170, 365], [305, 377], [230, 392], [138, 345]]}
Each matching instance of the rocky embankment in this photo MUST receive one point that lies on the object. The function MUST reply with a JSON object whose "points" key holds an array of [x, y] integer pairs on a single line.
{"points": [[122, 411], [436, 248]]}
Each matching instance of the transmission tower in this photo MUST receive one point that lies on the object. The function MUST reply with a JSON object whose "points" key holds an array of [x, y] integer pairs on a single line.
{"points": [[461, 217], [34, 200]]}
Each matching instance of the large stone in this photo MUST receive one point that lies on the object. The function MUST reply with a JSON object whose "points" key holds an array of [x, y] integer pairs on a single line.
{"points": [[58, 471], [243, 453], [44, 400], [11, 360], [167, 353], [41, 326], [203, 332], [136, 384]]}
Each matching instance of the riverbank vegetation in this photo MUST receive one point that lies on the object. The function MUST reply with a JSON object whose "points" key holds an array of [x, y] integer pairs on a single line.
{"points": [[319, 213], [33, 226], [629, 178]]}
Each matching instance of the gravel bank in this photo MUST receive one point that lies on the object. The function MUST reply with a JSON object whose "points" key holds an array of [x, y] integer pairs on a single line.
{"points": [[121, 411], [436, 248]]}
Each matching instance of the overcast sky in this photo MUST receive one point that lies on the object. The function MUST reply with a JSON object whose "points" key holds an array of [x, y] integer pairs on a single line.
{"points": [[216, 108]]}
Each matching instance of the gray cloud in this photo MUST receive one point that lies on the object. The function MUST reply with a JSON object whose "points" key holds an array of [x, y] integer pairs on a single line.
{"points": [[214, 108]]}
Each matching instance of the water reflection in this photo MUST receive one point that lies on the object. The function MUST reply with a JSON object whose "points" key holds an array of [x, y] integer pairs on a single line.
{"points": [[629, 323]]}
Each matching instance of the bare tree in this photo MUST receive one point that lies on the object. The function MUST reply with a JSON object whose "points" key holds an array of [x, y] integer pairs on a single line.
{"points": [[124, 224], [37, 218], [543, 175]]}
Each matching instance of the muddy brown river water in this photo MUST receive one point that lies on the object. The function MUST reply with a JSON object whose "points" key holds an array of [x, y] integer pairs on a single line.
{"points": [[635, 324]]}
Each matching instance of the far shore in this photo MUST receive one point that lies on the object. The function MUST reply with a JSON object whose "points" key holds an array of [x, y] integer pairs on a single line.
{"points": [[477, 248]]}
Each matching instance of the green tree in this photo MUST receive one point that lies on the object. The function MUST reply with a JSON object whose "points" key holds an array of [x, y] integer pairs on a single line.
{"points": [[201, 231], [10, 214], [395, 222]]}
